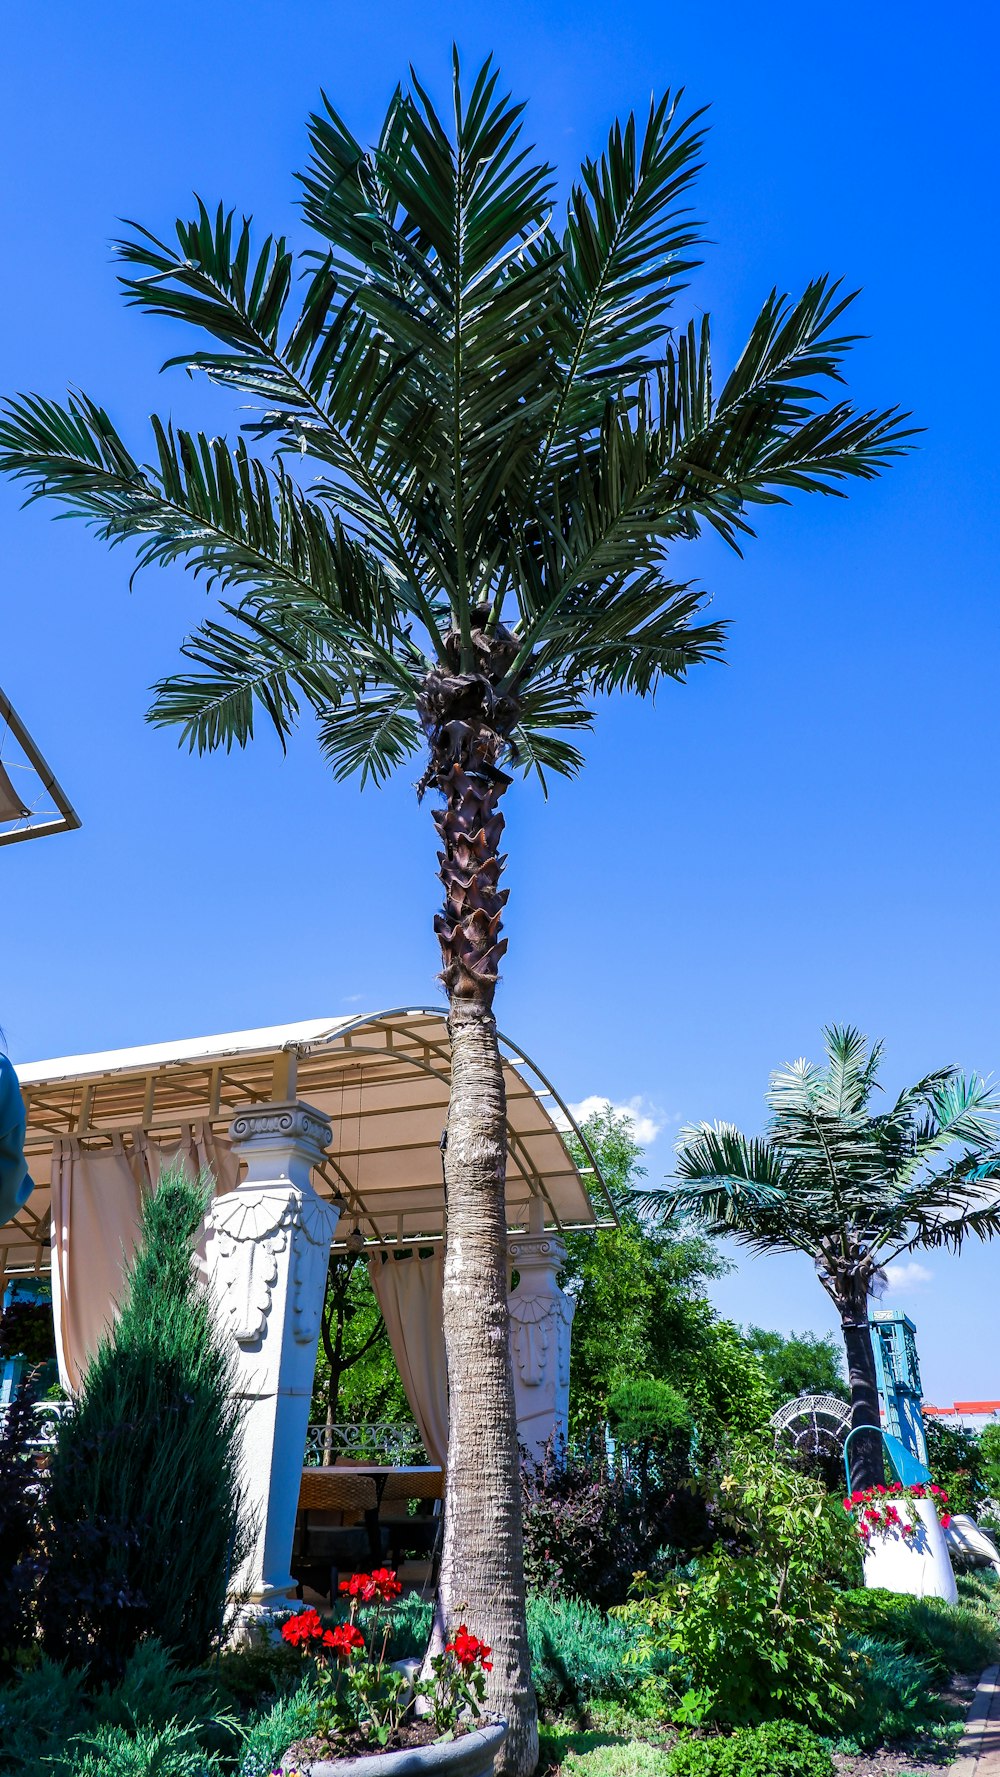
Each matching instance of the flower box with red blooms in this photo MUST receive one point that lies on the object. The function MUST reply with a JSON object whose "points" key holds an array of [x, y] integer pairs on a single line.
{"points": [[372, 1712], [876, 1510]]}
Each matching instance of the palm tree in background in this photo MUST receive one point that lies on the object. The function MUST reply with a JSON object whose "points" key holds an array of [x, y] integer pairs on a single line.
{"points": [[851, 1189], [476, 442]]}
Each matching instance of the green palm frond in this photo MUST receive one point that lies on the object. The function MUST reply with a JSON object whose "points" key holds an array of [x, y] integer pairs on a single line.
{"points": [[370, 736], [627, 245], [220, 511], [243, 669], [470, 407]]}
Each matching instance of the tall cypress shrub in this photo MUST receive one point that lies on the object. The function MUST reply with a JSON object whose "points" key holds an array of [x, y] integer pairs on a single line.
{"points": [[144, 1506]]}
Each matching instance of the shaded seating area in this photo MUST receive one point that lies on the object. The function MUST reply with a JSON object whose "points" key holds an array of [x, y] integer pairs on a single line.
{"points": [[320, 1135], [357, 1515]]}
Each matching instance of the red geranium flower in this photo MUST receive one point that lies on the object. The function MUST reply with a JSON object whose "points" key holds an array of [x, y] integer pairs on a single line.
{"points": [[468, 1650], [381, 1584], [945, 1520], [343, 1640], [304, 1627]]}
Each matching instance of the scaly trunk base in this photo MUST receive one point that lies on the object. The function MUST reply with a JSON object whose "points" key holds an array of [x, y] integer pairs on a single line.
{"points": [[482, 1575]]}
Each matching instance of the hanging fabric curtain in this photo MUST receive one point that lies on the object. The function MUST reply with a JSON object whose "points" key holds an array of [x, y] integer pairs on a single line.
{"points": [[410, 1293], [199, 1150], [97, 1198]]}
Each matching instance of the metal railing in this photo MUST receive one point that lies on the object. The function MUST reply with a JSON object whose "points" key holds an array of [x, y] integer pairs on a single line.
{"points": [[396, 1445]]}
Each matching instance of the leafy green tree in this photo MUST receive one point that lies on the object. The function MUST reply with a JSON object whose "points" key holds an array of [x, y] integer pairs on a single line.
{"points": [[850, 1189], [958, 1463], [356, 1376], [642, 1310], [989, 1452], [479, 444], [801, 1363]]}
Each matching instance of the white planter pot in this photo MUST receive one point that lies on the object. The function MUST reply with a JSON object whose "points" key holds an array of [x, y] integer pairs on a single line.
{"points": [[918, 1565]]}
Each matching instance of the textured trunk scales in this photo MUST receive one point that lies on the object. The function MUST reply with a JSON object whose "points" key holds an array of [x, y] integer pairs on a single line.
{"points": [[468, 724], [867, 1464]]}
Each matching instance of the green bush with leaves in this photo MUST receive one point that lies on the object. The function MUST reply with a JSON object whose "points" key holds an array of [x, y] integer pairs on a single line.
{"points": [[896, 1696], [578, 1655], [946, 1637], [143, 1508], [774, 1749], [173, 1751], [758, 1632], [629, 1758], [956, 1461], [268, 1738]]}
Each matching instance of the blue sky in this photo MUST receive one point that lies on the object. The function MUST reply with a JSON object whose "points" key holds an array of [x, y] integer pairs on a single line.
{"points": [[809, 833]]}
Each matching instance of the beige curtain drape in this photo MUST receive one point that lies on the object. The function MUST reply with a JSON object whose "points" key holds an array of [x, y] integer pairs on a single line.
{"points": [[410, 1293], [96, 1205], [97, 1198]]}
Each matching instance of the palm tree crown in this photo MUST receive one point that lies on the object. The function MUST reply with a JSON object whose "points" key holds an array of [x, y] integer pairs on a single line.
{"points": [[500, 438], [852, 1188]]}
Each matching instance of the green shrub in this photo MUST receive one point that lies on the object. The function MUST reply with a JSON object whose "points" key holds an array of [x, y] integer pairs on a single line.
{"points": [[39, 1712], [268, 1739], [758, 1632], [774, 1749], [264, 1669], [173, 1751], [653, 1418], [896, 1699], [947, 1637], [631, 1758], [143, 1505], [411, 1627], [577, 1654]]}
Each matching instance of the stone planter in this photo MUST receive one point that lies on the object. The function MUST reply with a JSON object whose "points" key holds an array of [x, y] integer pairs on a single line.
{"points": [[919, 1566], [471, 1755]]}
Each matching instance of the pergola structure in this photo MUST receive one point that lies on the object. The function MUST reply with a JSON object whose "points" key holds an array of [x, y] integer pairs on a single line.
{"points": [[32, 800], [321, 1134], [382, 1080]]}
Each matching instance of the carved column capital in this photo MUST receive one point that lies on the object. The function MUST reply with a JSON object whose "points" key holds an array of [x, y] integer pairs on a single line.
{"points": [[279, 1141]]}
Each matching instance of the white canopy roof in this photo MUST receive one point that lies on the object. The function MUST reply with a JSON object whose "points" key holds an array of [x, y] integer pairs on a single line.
{"points": [[381, 1078]]}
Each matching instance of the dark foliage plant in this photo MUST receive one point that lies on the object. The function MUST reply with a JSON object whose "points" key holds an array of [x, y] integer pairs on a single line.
{"points": [[580, 1527], [589, 1526], [143, 1510], [19, 1485], [26, 1331]]}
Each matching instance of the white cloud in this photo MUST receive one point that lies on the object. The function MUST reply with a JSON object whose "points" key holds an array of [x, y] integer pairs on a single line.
{"points": [[910, 1276], [647, 1120]]}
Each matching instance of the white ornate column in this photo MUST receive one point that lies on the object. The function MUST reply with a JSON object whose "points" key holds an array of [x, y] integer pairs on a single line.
{"points": [[267, 1251], [541, 1318]]}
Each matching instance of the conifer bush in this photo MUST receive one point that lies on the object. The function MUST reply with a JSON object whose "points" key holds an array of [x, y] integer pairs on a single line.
{"points": [[144, 1509]]}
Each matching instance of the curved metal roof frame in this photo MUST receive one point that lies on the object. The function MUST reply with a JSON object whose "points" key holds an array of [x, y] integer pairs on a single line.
{"points": [[385, 1094]]}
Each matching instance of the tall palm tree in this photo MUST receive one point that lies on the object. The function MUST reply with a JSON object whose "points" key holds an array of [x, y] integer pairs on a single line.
{"points": [[478, 441], [852, 1189]]}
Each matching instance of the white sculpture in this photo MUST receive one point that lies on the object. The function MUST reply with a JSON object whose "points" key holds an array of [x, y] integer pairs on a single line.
{"points": [[970, 1543], [541, 1319], [267, 1249]]}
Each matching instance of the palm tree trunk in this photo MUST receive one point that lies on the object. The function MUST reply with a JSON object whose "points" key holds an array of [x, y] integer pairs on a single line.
{"points": [[482, 1573], [865, 1453]]}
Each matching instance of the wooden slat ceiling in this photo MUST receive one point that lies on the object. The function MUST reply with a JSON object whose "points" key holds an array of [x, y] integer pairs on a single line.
{"points": [[382, 1080]]}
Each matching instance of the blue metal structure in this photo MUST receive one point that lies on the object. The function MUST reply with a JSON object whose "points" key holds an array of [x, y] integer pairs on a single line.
{"points": [[894, 1343]]}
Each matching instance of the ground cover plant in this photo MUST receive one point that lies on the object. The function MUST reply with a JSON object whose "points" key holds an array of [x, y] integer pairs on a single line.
{"points": [[479, 442]]}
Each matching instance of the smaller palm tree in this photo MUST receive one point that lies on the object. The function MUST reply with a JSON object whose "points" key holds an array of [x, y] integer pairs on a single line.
{"points": [[852, 1190]]}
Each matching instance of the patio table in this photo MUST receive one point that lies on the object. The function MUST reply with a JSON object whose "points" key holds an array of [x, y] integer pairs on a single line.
{"points": [[364, 1488]]}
